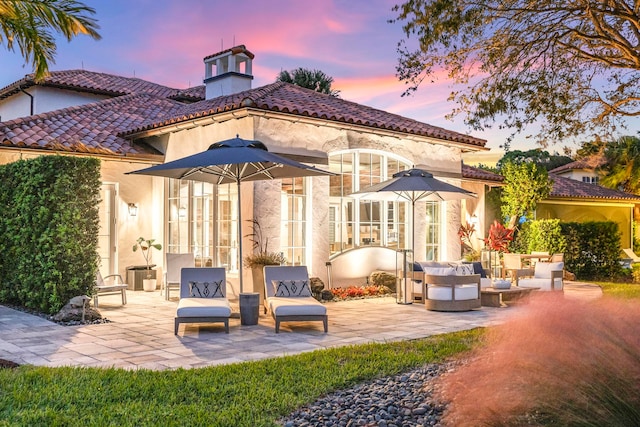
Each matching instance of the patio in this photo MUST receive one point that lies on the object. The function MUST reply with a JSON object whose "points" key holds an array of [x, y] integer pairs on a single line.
{"points": [[140, 334]]}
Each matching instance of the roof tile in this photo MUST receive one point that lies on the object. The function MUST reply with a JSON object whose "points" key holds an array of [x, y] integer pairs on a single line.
{"points": [[566, 187]]}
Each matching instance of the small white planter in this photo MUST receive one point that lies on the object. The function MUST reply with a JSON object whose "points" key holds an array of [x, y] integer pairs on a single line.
{"points": [[149, 285]]}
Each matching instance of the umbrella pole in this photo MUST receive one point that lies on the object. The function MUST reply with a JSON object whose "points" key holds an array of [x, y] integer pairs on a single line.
{"points": [[240, 237]]}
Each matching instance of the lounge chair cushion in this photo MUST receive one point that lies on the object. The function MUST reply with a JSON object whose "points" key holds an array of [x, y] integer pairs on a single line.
{"points": [[443, 293], [203, 307], [291, 288], [439, 271], [283, 306], [543, 269]]}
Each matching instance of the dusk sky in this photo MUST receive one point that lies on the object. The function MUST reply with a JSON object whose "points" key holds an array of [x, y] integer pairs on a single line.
{"points": [[164, 41]]}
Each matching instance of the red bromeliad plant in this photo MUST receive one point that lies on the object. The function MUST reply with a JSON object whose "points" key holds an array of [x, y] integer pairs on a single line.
{"points": [[499, 237]]}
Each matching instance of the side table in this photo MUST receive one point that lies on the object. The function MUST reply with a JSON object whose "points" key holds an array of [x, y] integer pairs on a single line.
{"points": [[249, 308]]}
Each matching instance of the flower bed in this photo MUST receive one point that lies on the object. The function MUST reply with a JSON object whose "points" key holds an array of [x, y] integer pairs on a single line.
{"points": [[358, 292]]}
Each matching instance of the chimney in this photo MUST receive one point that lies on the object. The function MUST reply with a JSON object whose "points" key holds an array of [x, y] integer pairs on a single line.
{"points": [[232, 72]]}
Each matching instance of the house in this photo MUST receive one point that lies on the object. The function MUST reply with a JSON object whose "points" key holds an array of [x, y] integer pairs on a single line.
{"points": [[130, 124], [585, 170]]}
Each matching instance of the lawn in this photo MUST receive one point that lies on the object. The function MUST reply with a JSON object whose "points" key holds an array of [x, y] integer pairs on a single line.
{"points": [[247, 394]]}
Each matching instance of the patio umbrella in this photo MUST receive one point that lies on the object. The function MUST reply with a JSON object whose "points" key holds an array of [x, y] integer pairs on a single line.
{"points": [[413, 185], [233, 161]]}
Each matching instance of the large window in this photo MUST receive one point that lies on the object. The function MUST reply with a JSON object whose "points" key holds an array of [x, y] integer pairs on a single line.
{"points": [[353, 222], [203, 219], [433, 231], [294, 220]]}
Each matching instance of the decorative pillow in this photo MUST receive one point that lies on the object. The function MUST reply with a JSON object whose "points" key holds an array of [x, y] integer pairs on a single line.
{"points": [[439, 271], [291, 288], [477, 269], [543, 269], [462, 269], [206, 289]]}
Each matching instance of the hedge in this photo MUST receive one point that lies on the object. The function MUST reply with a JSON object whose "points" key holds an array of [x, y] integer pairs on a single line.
{"points": [[48, 230], [591, 249]]}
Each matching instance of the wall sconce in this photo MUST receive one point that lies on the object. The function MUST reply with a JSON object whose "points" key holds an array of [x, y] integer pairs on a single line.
{"points": [[474, 219], [133, 209]]}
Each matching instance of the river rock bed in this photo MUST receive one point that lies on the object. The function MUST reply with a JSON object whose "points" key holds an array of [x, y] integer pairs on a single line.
{"points": [[398, 401]]}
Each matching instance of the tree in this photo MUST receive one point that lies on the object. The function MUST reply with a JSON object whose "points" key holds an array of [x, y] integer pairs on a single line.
{"points": [[29, 25], [311, 79], [622, 170], [541, 158], [572, 66], [525, 184]]}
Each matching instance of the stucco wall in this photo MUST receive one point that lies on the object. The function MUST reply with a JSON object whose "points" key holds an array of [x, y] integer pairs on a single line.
{"points": [[44, 99]]}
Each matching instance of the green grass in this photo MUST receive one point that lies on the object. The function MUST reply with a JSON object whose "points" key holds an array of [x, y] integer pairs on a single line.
{"points": [[620, 290], [247, 394]]}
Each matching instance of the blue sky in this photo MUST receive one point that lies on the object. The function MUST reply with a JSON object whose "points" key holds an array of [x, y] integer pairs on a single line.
{"points": [[164, 41]]}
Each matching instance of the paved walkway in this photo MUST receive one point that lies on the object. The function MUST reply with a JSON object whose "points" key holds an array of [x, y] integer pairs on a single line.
{"points": [[141, 333]]}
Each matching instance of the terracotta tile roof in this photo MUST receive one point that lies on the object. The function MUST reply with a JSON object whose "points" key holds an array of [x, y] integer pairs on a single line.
{"points": [[104, 84], [592, 162], [572, 188], [91, 128], [235, 50], [472, 172], [291, 99]]}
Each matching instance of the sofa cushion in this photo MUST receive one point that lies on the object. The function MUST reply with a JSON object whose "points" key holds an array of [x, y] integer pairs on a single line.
{"points": [[444, 293], [203, 307], [291, 288], [477, 269], [211, 289], [543, 269], [439, 271], [295, 306]]}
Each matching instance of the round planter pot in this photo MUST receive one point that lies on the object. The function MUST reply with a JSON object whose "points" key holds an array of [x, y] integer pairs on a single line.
{"points": [[149, 285]]}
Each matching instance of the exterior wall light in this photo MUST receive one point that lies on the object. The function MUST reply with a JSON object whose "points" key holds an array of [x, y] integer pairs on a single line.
{"points": [[133, 209]]}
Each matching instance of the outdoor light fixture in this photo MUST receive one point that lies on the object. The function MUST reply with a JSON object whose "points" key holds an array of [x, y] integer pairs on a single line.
{"points": [[133, 209], [474, 219]]}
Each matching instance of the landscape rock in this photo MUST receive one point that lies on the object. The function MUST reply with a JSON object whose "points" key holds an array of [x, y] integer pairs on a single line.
{"points": [[382, 278], [78, 309], [317, 285]]}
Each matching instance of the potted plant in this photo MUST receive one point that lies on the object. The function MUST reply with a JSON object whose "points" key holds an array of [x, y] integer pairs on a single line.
{"points": [[145, 245], [260, 257]]}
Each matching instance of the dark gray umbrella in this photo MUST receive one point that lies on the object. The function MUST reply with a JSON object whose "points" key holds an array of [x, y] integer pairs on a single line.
{"points": [[233, 161], [413, 185]]}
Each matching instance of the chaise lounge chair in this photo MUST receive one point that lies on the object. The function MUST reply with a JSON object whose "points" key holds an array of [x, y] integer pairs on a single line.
{"points": [[203, 297], [288, 296]]}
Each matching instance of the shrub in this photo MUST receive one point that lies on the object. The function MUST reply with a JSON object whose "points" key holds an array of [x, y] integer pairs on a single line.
{"points": [[562, 362], [546, 235], [593, 249], [48, 230]]}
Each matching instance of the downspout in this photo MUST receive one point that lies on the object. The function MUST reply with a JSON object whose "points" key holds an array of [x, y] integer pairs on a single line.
{"points": [[30, 96]]}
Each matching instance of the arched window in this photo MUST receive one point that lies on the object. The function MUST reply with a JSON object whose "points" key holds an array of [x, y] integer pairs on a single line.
{"points": [[353, 222]]}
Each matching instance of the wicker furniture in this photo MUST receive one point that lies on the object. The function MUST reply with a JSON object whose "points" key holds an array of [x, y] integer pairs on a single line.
{"points": [[452, 293]]}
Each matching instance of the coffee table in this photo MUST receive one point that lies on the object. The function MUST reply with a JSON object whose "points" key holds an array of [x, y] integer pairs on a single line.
{"points": [[492, 297]]}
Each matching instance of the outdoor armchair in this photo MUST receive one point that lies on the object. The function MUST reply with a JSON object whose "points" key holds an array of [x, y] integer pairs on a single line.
{"points": [[288, 296], [452, 293], [547, 276], [109, 285], [203, 297]]}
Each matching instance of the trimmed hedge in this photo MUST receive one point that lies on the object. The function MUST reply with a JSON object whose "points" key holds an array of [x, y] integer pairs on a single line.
{"points": [[48, 230], [591, 249]]}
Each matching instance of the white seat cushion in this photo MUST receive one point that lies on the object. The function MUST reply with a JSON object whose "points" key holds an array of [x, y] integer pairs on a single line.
{"points": [[444, 293], [543, 269], [282, 306], [203, 307], [485, 282], [543, 284]]}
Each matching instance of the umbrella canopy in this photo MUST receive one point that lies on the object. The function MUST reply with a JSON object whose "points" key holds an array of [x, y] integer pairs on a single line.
{"points": [[233, 161], [413, 185]]}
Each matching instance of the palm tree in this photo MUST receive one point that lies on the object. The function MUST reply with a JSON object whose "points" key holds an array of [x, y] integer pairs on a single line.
{"points": [[29, 25], [310, 79], [622, 170]]}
